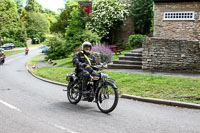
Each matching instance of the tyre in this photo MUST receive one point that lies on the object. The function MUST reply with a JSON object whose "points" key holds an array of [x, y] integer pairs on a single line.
{"points": [[73, 93], [107, 98]]}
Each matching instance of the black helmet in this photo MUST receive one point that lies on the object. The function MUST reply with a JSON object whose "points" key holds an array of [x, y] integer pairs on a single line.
{"points": [[86, 44]]}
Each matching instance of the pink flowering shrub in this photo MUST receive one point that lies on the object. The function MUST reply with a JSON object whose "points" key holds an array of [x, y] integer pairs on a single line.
{"points": [[105, 52]]}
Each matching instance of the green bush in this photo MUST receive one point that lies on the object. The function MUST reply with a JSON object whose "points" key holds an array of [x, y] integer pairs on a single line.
{"points": [[92, 37], [19, 44], [56, 50], [135, 41]]}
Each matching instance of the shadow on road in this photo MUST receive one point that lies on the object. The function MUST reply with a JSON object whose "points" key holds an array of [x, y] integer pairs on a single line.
{"points": [[82, 107]]}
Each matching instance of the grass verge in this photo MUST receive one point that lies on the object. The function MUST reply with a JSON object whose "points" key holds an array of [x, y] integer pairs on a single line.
{"points": [[34, 60], [13, 52], [66, 62], [146, 85]]}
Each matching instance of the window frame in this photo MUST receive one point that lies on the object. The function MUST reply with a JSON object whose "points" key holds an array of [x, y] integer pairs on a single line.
{"points": [[182, 15]]}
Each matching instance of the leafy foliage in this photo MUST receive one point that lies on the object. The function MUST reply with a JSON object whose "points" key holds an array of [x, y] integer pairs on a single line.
{"points": [[105, 15], [8, 16], [142, 14], [36, 24], [92, 37], [74, 32], [56, 50], [32, 6], [136, 40], [105, 52], [62, 23], [17, 22], [19, 4]]}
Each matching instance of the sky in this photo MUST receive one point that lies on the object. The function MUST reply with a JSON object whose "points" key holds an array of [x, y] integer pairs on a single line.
{"points": [[52, 4]]}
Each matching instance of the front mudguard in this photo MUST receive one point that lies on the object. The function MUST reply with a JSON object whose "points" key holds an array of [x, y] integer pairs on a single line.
{"points": [[111, 82]]}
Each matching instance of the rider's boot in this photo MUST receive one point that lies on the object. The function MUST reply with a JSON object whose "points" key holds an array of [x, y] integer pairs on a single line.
{"points": [[84, 90]]}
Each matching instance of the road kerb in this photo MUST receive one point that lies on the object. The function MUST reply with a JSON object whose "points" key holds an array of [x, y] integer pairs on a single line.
{"points": [[46, 80], [160, 101]]}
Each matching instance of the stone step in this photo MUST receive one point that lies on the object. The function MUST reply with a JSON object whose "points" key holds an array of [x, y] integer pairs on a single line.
{"points": [[127, 62], [123, 66], [139, 50], [133, 54], [131, 58]]}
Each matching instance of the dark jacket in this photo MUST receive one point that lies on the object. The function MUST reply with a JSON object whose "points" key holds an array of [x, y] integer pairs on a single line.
{"points": [[80, 58]]}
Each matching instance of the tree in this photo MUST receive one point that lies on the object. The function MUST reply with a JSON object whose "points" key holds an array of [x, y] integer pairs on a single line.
{"points": [[51, 16], [8, 17], [31, 6], [74, 32], [62, 23], [36, 24], [142, 14], [19, 4]]}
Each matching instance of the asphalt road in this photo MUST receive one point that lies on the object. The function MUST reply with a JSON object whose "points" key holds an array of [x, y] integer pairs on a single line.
{"points": [[29, 105]]}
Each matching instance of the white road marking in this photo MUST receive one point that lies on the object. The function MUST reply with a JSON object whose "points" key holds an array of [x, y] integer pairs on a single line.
{"points": [[63, 128], [10, 106]]}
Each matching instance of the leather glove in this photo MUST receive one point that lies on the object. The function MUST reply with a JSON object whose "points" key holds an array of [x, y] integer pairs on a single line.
{"points": [[82, 64]]}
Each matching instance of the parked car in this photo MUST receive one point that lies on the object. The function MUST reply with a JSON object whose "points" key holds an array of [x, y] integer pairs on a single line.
{"points": [[45, 48], [7, 46]]}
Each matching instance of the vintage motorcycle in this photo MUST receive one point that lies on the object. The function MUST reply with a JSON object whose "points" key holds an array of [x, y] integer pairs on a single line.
{"points": [[102, 90]]}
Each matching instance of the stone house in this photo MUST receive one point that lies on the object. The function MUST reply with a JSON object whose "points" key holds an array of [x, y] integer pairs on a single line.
{"points": [[175, 45], [177, 19]]}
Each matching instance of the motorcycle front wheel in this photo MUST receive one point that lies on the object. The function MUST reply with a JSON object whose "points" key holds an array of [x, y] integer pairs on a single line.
{"points": [[107, 98], [73, 94]]}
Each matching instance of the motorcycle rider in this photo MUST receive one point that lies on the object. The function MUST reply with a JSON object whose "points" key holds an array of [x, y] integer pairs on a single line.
{"points": [[2, 53], [26, 50], [83, 60], [2, 56]]}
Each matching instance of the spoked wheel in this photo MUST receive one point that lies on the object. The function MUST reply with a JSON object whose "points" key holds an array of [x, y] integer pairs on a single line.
{"points": [[73, 94], [107, 98]]}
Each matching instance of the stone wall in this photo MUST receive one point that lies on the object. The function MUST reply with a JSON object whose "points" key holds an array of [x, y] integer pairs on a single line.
{"points": [[179, 29], [171, 55], [122, 33]]}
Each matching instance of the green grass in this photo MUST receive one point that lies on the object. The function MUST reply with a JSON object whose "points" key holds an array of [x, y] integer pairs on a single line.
{"points": [[67, 62], [34, 60], [53, 73], [146, 85], [13, 52]]}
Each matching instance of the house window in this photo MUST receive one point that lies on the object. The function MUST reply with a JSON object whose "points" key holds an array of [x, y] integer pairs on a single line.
{"points": [[179, 15]]}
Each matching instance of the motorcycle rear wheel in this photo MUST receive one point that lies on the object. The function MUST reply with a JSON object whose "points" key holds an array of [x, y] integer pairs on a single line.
{"points": [[73, 94], [107, 98]]}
